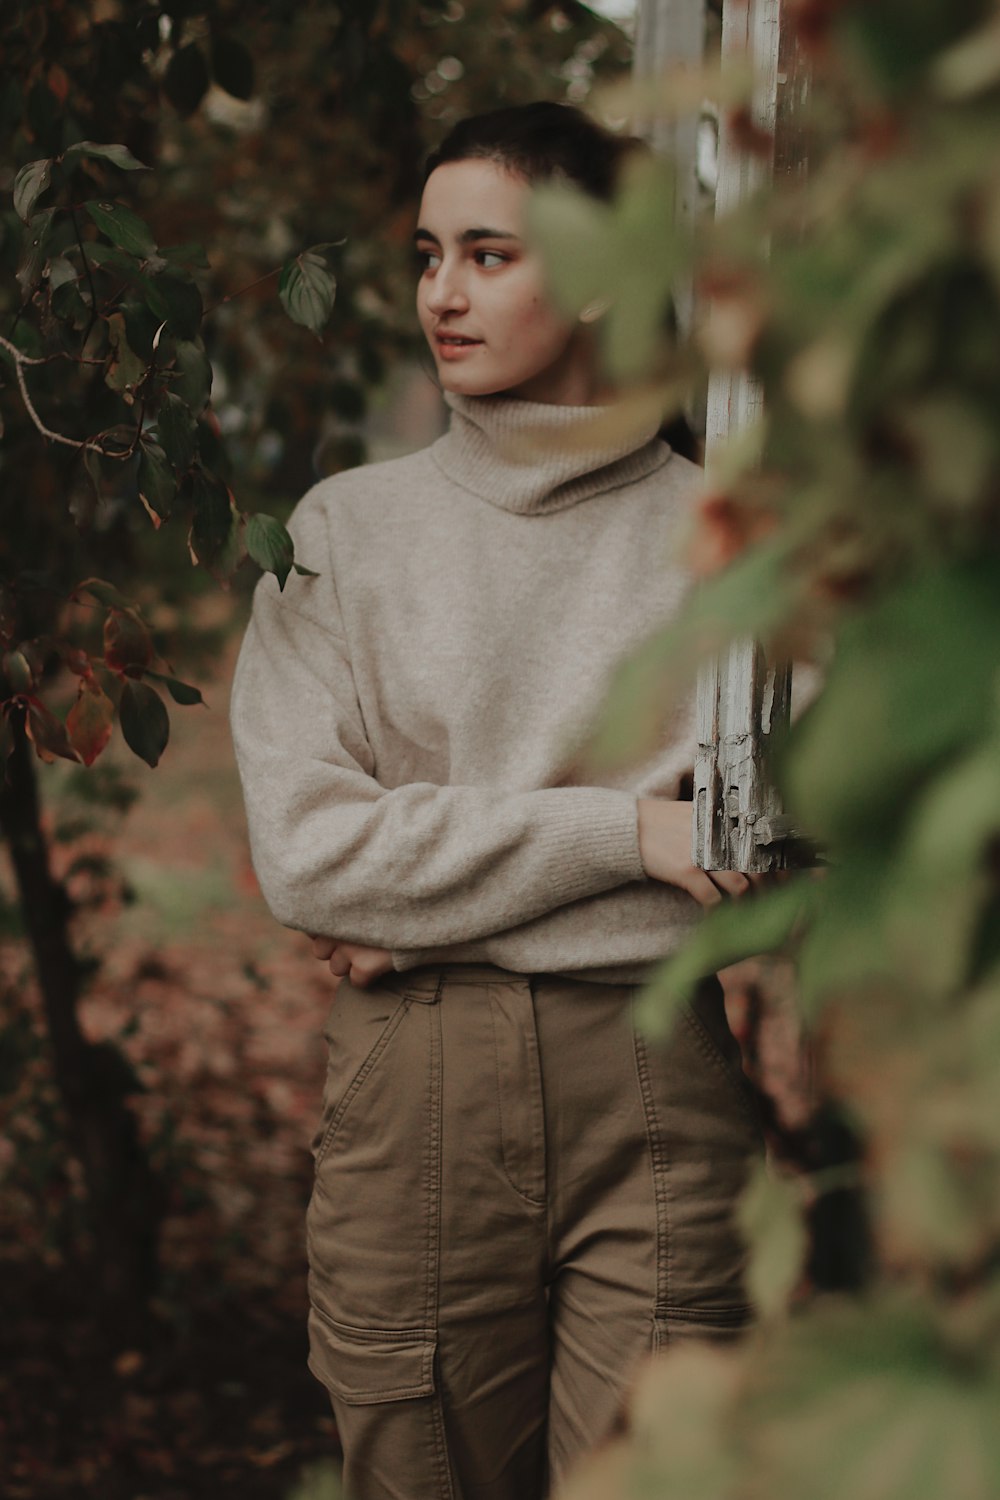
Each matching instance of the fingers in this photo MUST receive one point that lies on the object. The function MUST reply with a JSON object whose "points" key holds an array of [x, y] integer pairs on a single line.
{"points": [[730, 882], [709, 887], [322, 947]]}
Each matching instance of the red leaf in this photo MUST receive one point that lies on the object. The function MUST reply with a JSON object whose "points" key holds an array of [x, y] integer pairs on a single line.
{"points": [[47, 733], [90, 719], [128, 647]]}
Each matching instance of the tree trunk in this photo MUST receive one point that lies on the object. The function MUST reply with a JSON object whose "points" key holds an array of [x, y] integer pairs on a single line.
{"points": [[93, 1079]]}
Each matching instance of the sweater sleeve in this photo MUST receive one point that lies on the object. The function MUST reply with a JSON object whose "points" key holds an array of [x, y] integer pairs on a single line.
{"points": [[419, 864], [632, 925]]}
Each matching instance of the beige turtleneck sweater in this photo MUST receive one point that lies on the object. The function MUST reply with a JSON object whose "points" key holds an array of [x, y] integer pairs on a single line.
{"points": [[402, 723]]}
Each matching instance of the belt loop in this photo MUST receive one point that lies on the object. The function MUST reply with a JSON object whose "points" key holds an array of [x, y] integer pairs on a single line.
{"points": [[421, 991]]}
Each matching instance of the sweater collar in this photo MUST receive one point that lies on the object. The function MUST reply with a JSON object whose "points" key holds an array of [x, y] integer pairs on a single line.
{"points": [[532, 458]]}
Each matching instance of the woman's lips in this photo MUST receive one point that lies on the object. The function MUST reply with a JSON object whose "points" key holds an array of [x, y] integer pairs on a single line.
{"points": [[454, 346]]}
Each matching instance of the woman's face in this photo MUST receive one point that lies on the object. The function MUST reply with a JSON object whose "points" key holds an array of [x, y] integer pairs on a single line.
{"points": [[482, 282]]}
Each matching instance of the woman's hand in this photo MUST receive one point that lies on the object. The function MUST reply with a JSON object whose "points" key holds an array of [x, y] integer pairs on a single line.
{"points": [[353, 961], [665, 850]]}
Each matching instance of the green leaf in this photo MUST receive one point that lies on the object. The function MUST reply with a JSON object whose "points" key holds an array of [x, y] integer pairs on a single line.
{"points": [[176, 301], [119, 156], [105, 593], [157, 481], [34, 250], [178, 431], [306, 572], [29, 185], [181, 692], [865, 1398], [307, 289], [894, 702], [126, 369], [186, 80], [194, 374], [216, 538], [232, 67], [762, 922], [144, 720], [122, 227], [771, 1220], [270, 546]]}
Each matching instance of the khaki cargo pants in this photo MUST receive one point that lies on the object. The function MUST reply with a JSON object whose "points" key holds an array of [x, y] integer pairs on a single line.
{"points": [[516, 1198]]}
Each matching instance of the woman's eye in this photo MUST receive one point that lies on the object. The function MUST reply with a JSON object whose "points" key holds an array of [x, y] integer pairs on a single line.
{"points": [[493, 255], [424, 258]]}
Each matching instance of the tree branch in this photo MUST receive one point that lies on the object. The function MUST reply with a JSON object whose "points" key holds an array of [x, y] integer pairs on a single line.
{"points": [[20, 360]]}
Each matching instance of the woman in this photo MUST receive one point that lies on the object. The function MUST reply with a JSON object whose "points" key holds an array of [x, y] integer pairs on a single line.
{"points": [[515, 1196]]}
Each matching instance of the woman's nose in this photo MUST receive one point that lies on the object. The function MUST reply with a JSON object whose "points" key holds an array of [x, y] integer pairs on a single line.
{"points": [[447, 290]]}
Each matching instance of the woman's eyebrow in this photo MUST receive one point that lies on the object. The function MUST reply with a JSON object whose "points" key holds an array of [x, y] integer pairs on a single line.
{"points": [[468, 236]]}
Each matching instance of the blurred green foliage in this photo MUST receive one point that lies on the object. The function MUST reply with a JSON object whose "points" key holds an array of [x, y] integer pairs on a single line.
{"points": [[856, 528]]}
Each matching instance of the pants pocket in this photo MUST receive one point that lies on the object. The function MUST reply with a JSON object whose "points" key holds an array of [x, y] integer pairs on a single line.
{"points": [[717, 1325], [383, 1390], [362, 1366], [706, 1016], [358, 1029]]}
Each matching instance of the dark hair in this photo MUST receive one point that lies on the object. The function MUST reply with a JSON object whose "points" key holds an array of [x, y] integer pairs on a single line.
{"points": [[541, 140], [547, 139]]}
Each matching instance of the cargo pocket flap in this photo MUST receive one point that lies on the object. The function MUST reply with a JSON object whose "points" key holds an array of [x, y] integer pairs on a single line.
{"points": [[363, 1366], [718, 1324]]}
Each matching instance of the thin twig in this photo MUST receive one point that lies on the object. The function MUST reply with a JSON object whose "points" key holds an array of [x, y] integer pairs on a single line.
{"points": [[248, 288], [20, 360]]}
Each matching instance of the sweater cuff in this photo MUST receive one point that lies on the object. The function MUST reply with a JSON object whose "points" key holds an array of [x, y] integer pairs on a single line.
{"points": [[593, 830]]}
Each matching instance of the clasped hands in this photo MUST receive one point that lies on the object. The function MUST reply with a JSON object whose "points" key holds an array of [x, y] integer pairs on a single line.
{"points": [[665, 849]]}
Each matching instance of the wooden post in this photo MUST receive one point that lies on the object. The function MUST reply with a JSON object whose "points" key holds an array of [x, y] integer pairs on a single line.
{"points": [[742, 698], [671, 33]]}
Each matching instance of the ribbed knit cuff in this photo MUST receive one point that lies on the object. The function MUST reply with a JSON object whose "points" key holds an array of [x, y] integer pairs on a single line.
{"points": [[592, 835]]}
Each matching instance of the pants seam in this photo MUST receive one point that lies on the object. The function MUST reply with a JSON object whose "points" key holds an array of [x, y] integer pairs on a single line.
{"points": [[534, 1202], [659, 1167]]}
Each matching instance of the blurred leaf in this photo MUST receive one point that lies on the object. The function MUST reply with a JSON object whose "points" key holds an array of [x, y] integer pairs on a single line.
{"points": [[232, 66], [90, 720], [119, 156], [144, 721], [186, 80], [157, 482], [317, 1481], [176, 300], [35, 247], [178, 431], [47, 733], [753, 595], [307, 289], [17, 670], [758, 923], [194, 370], [181, 692], [126, 369], [128, 646], [29, 185], [270, 546], [894, 704], [123, 227], [105, 593], [216, 538], [770, 1216], [864, 1400]]}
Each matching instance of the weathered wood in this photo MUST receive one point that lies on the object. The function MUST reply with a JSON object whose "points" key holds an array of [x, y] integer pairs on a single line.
{"points": [[742, 698], [671, 33]]}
